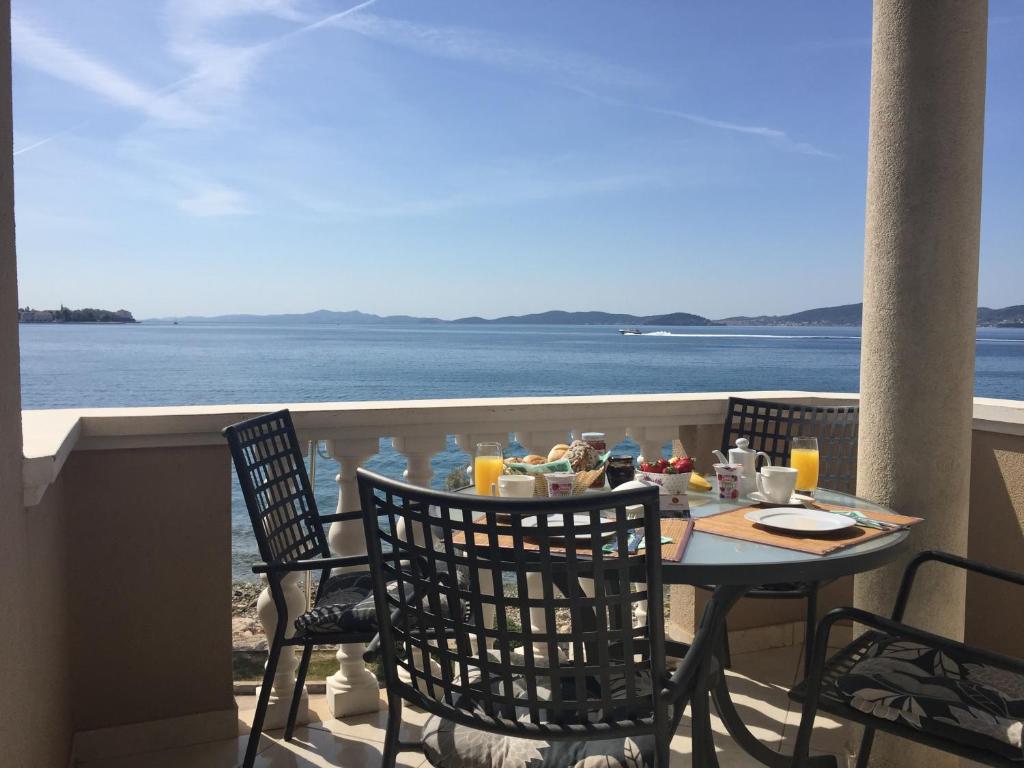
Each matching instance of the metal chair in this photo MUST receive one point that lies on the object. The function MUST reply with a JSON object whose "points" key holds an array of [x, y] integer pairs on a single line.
{"points": [[289, 533], [960, 699], [586, 681], [769, 426]]}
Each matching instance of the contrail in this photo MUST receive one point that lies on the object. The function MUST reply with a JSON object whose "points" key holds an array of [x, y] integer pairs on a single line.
{"points": [[51, 137], [177, 84]]}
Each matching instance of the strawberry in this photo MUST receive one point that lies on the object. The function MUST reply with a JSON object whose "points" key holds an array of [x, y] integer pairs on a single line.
{"points": [[670, 470], [663, 463], [684, 465], [647, 467]]}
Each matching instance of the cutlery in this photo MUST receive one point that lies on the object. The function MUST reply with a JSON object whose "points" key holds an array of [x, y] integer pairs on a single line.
{"points": [[868, 522], [862, 519]]}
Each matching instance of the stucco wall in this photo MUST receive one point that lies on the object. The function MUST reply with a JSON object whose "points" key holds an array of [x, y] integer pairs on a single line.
{"points": [[995, 611], [149, 559]]}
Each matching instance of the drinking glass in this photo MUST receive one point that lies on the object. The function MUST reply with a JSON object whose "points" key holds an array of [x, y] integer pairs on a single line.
{"points": [[487, 467], [803, 457]]}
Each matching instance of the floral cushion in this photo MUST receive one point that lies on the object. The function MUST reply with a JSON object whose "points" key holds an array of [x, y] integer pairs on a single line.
{"points": [[346, 605], [947, 693], [448, 745]]}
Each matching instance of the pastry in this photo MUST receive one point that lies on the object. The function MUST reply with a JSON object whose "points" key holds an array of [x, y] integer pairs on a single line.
{"points": [[556, 453], [582, 456]]}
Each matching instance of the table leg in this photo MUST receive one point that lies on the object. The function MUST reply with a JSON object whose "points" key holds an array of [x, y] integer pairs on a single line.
{"points": [[718, 689], [703, 742]]}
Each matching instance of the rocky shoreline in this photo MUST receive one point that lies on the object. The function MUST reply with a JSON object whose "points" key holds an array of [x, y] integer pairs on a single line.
{"points": [[246, 631]]}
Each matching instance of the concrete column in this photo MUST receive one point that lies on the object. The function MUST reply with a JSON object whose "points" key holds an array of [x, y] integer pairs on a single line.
{"points": [[19, 731], [920, 294]]}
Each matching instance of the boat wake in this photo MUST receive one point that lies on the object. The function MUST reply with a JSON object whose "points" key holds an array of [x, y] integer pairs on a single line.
{"points": [[747, 335]]}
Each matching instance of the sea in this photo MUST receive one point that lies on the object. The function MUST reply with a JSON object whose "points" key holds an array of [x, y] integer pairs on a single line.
{"points": [[70, 366]]}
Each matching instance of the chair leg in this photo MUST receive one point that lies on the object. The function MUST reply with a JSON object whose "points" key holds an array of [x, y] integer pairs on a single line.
{"points": [[662, 750], [865, 747], [261, 706], [393, 729], [811, 619], [300, 680]]}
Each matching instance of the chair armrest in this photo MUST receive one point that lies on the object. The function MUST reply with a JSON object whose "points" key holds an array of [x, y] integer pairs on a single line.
{"points": [[341, 517], [909, 574], [894, 627], [312, 564]]}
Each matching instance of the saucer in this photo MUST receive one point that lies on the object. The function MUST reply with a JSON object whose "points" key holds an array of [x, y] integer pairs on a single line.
{"points": [[796, 500]]}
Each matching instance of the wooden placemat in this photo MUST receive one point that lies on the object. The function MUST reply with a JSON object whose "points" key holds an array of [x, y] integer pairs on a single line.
{"points": [[677, 528], [734, 525]]}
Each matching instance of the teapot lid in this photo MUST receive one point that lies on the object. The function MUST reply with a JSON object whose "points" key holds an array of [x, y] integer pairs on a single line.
{"points": [[742, 443]]}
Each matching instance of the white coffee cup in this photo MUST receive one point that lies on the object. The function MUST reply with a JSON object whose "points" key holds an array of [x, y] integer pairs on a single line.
{"points": [[516, 486], [777, 484]]}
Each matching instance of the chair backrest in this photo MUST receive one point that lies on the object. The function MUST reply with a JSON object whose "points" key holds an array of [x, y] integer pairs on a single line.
{"points": [[769, 427], [456, 573], [272, 473]]}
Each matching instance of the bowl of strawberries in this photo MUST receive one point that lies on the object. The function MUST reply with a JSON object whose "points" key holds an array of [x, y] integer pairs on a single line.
{"points": [[672, 475]]}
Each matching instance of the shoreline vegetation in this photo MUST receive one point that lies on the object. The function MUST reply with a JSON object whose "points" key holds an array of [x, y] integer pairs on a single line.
{"points": [[65, 315], [848, 315]]}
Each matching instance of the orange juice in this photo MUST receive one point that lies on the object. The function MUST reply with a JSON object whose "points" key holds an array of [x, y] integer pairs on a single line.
{"points": [[486, 471], [805, 462]]}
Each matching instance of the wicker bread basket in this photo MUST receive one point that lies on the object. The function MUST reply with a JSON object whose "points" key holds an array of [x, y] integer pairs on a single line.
{"points": [[580, 483]]}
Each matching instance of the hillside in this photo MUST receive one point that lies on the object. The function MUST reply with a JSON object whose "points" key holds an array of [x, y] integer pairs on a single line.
{"points": [[846, 314]]}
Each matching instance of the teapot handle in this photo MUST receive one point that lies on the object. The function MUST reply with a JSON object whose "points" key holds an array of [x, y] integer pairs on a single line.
{"points": [[767, 459]]}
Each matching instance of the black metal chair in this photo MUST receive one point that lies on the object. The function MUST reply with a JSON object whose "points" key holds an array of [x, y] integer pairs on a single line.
{"points": [[960, 699], [592, 683], [289, 532], [769, 426]]}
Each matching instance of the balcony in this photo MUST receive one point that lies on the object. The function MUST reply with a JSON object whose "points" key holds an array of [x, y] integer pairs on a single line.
{"points": [[129, 518]]}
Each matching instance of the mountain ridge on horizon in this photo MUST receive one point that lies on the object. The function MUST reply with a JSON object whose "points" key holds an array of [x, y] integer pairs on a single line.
{"points": [[841, 315]]}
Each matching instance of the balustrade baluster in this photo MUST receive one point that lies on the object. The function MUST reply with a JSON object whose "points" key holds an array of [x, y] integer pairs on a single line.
{"points": [[283, 686], [353, 689], [418, 451]]}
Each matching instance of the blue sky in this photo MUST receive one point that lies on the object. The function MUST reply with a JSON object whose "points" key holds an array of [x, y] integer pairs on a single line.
{"points": [[450, 158]]}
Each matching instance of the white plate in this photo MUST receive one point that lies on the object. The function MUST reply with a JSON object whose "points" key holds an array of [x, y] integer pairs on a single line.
{"points": [[555, 525], [796, 500], [799, 520]]}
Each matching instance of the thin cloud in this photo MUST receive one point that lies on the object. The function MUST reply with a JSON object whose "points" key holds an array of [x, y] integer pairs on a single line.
{"points": [[581, 74], [211, 199], [35, 48], [477, 46], [218, 71], [779, 137], [499, 188]]}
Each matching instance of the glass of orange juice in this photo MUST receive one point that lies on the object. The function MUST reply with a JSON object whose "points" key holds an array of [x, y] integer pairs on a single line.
{"points": [[803, 457], [487, 467]]}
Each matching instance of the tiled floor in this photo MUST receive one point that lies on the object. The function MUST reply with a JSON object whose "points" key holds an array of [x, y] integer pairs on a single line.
{"points": [[759, 682]]}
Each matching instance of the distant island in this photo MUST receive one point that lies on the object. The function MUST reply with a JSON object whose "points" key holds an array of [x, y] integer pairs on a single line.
{"points": [[845, 315], [65, 315]]}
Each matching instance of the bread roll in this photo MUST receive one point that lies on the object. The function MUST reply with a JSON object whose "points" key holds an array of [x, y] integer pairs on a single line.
{"points": [[533, 458], [556, 453]]}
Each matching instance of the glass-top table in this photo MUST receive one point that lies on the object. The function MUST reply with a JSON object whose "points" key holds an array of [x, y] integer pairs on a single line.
{"points": [[714, 559], [736, 566]]}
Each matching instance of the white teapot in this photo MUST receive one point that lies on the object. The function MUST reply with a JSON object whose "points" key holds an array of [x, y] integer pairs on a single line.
{"points": [[747, 459]]}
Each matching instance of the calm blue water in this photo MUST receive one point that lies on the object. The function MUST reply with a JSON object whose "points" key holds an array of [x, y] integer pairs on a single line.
{"points": [[160, 364]]}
